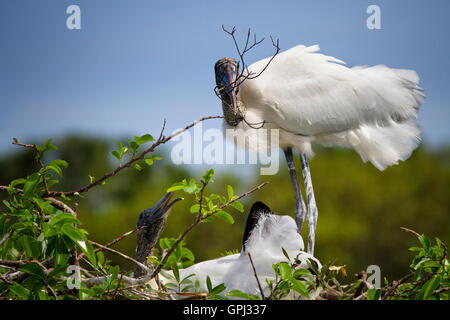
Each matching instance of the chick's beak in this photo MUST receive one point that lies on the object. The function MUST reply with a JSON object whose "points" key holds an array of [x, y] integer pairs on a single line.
{"points": [[158, 211]]}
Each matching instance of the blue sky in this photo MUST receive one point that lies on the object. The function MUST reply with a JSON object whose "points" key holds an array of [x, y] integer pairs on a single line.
{"points": [[134, 63]]}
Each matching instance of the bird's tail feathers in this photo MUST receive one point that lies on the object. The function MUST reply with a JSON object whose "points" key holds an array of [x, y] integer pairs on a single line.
{"points": [[385, 145]]}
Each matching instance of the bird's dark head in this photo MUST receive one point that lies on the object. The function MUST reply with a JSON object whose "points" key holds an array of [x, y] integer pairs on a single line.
{"points": [[159, 212], [227, 73], [150, 226]]}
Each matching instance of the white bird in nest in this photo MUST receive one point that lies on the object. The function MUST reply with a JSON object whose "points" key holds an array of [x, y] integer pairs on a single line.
{"points": [[265, 235], [310, 97]]}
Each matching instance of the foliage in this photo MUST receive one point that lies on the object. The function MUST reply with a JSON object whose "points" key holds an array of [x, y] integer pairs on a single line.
{"points": [[41, 234]]}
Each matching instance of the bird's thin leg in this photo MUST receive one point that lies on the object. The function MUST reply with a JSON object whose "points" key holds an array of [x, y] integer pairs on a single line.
{"points": [[312, 207], [300, 208]]}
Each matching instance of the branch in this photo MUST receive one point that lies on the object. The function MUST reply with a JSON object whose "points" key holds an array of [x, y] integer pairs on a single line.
{"points": [[125, 279], [411, 231], [161, 140], [6, 237], [256, 276], [109, 244], [242, 76]]}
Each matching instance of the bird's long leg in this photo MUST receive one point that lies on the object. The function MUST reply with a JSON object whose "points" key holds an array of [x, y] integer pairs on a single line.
{"points": [[300, 208], [312, 207]]}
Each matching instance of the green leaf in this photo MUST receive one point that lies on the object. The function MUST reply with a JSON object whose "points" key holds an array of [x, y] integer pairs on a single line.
{"points": [[355, 285], [63, 218], [59, 163], [100, 258], [208, 283], [77, 236], [20, 291], [238, 294], [30, 186], [47, 146], [429, 287], [285, 254], [425, 241], [116, 154], [230, 192], [301, 271], [61, 258], [285, 270], [32, 246], [33, 269], [238, 206], [177, 186], [176, 272], [133, 145], [144, 139], [299, 287], [137, 167], [373, 294], [192, 187], [149, 161], [195, 208], [225, 216], [218, 289], [208, 175], [17, 182]]}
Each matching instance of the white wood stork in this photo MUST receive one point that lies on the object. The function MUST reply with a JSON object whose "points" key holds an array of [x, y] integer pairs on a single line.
{"points": [[264, 237], [310, 97]]}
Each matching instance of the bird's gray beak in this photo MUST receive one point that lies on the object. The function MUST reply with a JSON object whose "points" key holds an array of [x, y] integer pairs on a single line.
{"points": [[227, 71], [158, 211]]}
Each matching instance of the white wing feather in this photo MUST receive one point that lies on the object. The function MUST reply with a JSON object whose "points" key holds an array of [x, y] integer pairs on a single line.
{"points": [[308, 93]]}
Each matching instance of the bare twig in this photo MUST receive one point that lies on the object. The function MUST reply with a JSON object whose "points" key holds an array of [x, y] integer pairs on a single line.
{"points": [[441, 290], [161, 140], [61, 205], [119, 254], [256, 276], [245, 73], [109, 244], [7, 236], [117, 287], [411, 231]]}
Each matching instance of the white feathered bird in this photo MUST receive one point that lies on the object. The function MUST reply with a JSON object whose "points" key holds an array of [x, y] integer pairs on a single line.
{"points": [[310, 97], [266, 234]]}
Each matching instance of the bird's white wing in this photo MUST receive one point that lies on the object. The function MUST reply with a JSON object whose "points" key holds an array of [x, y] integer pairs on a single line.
{"points": [[305, 92]]}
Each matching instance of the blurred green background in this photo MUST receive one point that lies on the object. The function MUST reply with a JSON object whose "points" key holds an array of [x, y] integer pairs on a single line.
{"points": [[361, 209]]}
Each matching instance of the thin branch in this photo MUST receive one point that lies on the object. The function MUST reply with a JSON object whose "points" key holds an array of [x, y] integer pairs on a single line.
{"points": [[7, 236], [249, 75], [60, 205], [109, 244], [161, 140], [256, 276], [441, 290], [411, 231], [119, 254]]}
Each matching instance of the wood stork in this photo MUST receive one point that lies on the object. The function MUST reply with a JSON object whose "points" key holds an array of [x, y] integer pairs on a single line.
{"points": [[310, 97], [150, 225], [264, 237]]}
